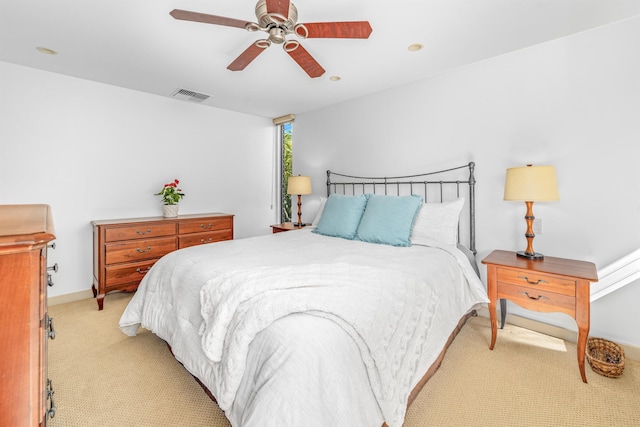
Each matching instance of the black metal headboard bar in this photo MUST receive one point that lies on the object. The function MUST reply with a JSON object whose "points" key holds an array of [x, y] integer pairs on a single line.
{"points": [[445, 189]]}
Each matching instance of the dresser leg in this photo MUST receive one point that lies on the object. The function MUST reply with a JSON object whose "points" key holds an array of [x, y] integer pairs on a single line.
{"points": [[100, 301]]}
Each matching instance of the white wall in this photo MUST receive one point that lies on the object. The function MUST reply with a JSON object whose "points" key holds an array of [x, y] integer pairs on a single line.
{"points": [[94, 151], [573, 103]]}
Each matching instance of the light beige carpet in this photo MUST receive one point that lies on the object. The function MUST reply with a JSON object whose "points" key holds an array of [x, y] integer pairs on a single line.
{"points": [[104, 378]]}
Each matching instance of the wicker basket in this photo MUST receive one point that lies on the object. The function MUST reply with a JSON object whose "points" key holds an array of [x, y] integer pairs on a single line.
{"points": [[605, 357]]}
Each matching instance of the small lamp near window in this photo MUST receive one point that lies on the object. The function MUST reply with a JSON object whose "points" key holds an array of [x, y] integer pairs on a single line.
{"points": [[299, 185], [530, 184]]}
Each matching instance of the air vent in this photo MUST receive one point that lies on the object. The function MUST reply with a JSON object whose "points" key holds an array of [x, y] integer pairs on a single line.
{"points": [[189, 95]]}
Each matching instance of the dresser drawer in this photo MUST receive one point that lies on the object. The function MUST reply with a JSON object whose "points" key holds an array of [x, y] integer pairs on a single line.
{"points": [[139, 250], [140, 231], [127, 273], [203, 238], [204, 225], [541, 282], [537, 299]]}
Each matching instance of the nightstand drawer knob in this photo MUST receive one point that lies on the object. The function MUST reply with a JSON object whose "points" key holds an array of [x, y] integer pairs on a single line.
{"points": [[537, 282], [539, 297]]}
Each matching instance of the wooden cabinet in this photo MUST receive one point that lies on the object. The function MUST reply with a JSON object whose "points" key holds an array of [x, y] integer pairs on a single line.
{"points": [[26, 395], [125, 249], [547, 285]]}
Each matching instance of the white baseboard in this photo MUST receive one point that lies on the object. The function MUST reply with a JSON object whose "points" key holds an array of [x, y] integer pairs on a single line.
{"points": [[630, 351], [74, 296]]}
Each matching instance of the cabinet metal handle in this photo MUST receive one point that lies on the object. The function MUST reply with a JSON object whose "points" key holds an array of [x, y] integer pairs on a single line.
{"points": [[203, 241], [206, 227], [51, 333], [143, 250], [51, 412], [539, 297], [141, 271], [531, 282], [142, 233], [54, 267], [52, 245], [49, 280]]}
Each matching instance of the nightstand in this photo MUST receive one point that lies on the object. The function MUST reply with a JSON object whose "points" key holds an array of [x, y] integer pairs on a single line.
{"points": [[547, 285], [286, 226]]}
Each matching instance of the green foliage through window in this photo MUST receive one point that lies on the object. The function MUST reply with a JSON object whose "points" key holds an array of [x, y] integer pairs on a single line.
{"points": [[287, 167]]}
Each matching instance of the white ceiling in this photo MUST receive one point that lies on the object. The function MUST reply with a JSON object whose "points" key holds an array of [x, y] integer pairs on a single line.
{"points": [[135, 44]]}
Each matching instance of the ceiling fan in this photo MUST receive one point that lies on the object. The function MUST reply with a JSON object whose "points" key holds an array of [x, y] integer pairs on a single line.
{"points": [[279, 19]]}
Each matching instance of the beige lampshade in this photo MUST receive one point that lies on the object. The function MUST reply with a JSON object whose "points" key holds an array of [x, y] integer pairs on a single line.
{"points": [[531, 184], [299, 185]]}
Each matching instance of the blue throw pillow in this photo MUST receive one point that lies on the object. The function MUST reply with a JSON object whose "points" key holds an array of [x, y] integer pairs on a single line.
{"points": [[341, 216], [389, 219]]}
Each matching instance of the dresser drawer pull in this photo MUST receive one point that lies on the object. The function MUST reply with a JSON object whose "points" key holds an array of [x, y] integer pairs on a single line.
{"points": [[143, 250], [52, 245], [206, 227], [537, 282], [533, 298], [54, 267], [141, 271], [142, 233], [51, 412], [51, 333], [49, 280], [206, 241]]}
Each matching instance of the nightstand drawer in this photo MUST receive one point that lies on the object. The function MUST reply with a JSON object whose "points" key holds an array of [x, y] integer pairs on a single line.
{"points": [[139, 250], [537, 299], [139, 231], [541, 282], [203, 238]]}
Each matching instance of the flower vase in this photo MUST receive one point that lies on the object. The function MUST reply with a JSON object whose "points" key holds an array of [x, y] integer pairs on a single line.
{"points": [[170, 211]]}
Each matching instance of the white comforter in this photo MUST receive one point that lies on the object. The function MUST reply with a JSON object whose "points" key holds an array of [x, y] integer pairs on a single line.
{"points": [[300, 329]]}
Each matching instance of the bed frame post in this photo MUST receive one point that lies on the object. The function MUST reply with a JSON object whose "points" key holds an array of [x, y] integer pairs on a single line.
{"points": [[472, 202]]}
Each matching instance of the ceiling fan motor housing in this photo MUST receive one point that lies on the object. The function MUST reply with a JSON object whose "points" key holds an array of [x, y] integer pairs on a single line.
{"points": [[269, 21]]}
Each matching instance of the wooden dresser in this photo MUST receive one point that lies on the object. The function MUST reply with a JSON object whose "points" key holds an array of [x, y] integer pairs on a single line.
{"points": [[125, 249], [26, 395]]}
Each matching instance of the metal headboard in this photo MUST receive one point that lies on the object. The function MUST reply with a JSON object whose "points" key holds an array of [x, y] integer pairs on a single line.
{"points": [[439, 186]]}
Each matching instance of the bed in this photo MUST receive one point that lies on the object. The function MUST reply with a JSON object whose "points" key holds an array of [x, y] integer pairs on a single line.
{"points": [[340, 323]]}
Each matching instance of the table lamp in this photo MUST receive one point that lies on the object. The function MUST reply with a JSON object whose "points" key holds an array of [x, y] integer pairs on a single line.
{"points": [[530, 184], [299, 185]]}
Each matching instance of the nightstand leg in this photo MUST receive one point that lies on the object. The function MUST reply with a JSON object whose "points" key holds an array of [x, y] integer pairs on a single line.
{"points": [[583, 316], [582, 346], [503, 312]]}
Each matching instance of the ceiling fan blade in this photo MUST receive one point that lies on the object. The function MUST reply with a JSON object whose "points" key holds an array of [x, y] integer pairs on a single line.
{"points": [[339, 30], [185, 15], [248, 55], [281, 7], [303, 58]]}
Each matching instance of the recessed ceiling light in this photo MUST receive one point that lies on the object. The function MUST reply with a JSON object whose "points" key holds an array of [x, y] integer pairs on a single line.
{"points": [[46, 50], [334, 78], [415, 47]]}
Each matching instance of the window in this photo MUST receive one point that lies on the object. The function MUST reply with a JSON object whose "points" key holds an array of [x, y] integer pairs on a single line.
{"points": [[283, 166], [285, 173]]}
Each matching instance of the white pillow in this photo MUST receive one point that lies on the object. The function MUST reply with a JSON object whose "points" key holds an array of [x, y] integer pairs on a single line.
{"points": [[323, 200], [437, 221]]}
